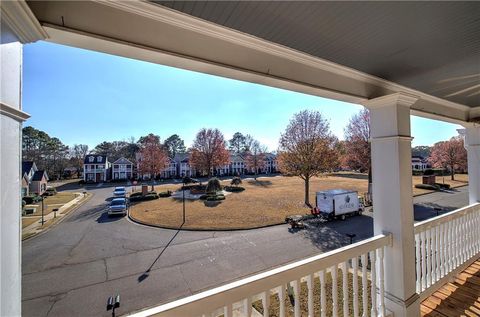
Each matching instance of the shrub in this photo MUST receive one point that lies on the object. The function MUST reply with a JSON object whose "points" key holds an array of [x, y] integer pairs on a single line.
{"points": [[168, 193], [426, 186], [213, 185], [234, 189], [428, 172], [32, 199], [140, 197], [215, 197], [81, 182], [443, 186], [236, 181]]}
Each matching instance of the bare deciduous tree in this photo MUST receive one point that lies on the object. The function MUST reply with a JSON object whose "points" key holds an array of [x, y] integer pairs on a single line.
{"points": [[153, 158], [255, 157], [449, 154], [307, 148], [208, 151]]}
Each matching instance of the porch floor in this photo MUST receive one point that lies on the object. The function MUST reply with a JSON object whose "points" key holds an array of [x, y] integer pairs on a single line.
{"points": [[461, 297]]}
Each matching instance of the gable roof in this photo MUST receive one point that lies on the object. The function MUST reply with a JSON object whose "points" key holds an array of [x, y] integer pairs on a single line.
{"points": [[39, 175], [122, 160], [95, 159], [181, 157], [27, 166]]}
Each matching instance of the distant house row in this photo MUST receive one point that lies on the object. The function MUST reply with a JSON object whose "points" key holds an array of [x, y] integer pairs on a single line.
{"points": [[34, 181], [98, 168], [420, 164]]}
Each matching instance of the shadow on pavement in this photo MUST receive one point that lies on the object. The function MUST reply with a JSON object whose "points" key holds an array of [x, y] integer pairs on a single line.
{"points": [[331, 235], [424, 211], [105, 218], [146, 274]]}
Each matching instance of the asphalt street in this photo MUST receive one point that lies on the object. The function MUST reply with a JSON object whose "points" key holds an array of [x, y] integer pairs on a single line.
{"points": [[73, 268]]}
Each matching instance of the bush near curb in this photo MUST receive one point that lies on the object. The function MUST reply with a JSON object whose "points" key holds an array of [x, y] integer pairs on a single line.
{"points": [[234, 189], [140, 197], [168, 193]]}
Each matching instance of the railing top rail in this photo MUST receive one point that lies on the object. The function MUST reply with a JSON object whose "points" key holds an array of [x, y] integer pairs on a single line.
{"points": [[230, 293], [454, 214]]}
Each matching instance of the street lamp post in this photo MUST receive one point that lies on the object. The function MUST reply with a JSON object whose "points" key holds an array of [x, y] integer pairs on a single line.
{"points": [[42, 212], [183, 191]]}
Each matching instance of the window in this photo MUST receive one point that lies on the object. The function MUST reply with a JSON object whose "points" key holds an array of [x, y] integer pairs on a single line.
{"points": [[91, 159], [115, 166], [99, 158]]}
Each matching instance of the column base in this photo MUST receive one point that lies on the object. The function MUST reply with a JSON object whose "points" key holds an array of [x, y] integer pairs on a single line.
{"points": [[397, 307]]}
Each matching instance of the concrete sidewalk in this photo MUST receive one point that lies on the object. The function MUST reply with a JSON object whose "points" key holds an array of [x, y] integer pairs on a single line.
{"points": [[37, 227]]}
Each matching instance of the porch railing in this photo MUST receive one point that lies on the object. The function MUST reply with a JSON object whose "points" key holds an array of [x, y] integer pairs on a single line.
{"points": [[443, 244], [354, 272]]}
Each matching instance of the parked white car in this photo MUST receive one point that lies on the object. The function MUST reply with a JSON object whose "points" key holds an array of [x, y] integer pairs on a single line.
{"points": [[118, 207], [119, 192]]}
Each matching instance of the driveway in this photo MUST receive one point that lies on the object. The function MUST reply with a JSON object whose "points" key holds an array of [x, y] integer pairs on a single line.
{"points": [[73, 268]]}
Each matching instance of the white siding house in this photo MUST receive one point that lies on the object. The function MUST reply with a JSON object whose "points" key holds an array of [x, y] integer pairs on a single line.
{"points": [[96, 168], [122, 169]]}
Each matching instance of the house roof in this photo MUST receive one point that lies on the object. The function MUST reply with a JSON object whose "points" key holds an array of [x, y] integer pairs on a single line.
{"points": [[95, 159], [122, 160], [181, 157], [27, 166], [39, 175]]}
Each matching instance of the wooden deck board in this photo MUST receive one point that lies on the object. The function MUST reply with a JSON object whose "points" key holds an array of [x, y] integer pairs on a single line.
{"points": [[461, 297]]}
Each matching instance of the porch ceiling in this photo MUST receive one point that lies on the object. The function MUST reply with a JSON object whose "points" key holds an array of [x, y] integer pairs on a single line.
{"points": [[345, 51], [433, 47]]}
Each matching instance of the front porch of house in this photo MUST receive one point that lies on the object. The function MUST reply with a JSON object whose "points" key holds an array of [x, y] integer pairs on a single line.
{"points": [[392, 273]]}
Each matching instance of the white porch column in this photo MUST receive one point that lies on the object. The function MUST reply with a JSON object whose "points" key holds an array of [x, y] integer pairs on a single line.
{"points": [[11, 118], [392, 197], [472, 144]]}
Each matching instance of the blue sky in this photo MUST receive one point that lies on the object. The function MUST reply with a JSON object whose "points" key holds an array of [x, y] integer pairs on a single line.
{"points": [[87, 97]]}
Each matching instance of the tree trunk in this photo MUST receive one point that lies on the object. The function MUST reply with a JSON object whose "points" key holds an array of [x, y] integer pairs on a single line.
{"points": [[307, 191], [452, 173]]}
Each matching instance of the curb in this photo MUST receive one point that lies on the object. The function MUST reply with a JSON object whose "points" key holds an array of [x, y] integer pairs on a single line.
{"points": [[89, 196], [146, 224]]}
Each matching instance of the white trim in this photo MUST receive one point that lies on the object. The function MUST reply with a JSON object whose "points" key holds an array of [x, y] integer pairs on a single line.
{"points": [[13, 113], [18, 16], [399, 98]]}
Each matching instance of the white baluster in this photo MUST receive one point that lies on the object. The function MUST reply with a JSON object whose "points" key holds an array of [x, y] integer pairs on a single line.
{"points": [[364, 285], [296, 295], [247, 306], [355, 286], [429, 255], [434, 254], [449, 247], [228, 311], [281, 299], [310, 294], [323, 296], [381, 281], [345, 289], [424, 257], [266, 303], [417, 260], [333, 271], [373, 270], [441, 233]]}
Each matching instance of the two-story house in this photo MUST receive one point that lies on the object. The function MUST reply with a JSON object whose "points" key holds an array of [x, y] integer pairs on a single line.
{"points": [[33, 179], [122, 169], [96, 168], [419, 163], [171, 170]]}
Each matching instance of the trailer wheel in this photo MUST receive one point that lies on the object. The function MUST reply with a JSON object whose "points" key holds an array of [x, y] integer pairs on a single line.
{"points": [[359, 212], [343, 217]]}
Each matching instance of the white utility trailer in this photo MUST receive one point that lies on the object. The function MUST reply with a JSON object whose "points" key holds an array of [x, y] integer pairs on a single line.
{"points": [[338, 203]]}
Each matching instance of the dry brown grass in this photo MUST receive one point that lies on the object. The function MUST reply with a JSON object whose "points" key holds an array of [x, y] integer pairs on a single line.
{"points": [[264, 202], [27, 221], [460, 180], [52, 202]]}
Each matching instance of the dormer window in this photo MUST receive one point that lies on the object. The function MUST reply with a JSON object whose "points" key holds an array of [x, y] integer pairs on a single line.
{"points": [[91, 159], [99, 158]]}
